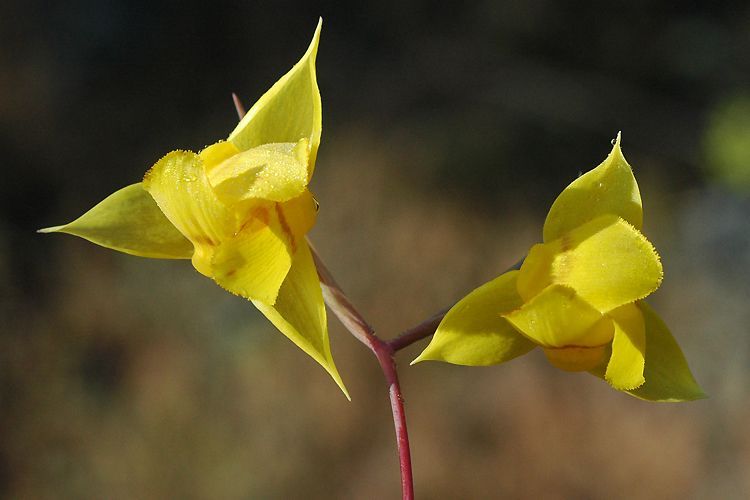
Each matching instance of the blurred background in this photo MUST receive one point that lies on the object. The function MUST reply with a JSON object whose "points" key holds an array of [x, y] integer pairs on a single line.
{"points": [[448, 132]]}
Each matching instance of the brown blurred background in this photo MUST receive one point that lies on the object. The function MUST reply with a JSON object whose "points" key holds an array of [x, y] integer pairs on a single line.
{"points": [[448, 131]]}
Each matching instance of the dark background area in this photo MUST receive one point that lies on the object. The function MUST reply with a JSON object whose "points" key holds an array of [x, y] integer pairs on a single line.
{"points": [[448, 132]]}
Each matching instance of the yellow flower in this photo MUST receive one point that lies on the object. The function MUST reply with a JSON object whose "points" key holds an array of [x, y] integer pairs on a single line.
{"points": [[578, 296], [239, 209]]}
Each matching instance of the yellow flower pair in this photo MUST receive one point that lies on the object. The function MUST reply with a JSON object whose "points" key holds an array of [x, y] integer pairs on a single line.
{"points": [[578, 296], [240, 210]]}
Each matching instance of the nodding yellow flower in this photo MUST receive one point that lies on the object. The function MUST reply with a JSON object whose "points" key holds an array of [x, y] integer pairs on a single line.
{"points": [[239, 209], [578, 296]]}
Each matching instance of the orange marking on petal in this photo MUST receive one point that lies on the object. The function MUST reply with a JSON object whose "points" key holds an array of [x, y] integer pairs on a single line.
{"points": [[203, 240], [566, 242], [260, 214], [285, 227]]}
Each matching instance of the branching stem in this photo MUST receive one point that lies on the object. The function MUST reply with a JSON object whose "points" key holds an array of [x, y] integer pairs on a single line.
{"points": [[422, 330], [354, 322], [350, 317], [384, 351]]}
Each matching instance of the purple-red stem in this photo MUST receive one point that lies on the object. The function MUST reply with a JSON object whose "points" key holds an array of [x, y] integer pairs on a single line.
{"points": [[422, 330], [350, 317]]}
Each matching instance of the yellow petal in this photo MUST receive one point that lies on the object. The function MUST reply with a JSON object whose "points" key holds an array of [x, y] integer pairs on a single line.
{"points": [[575, 359], [558, 317], [610, 188], [536, 270], [608, 263], [216, 153], [254, 263], [180, 187], [289, 111], [299, 312], [473, 333], [667, 374], [625, 367], [299, 214], [129, 221], [274, 172]]}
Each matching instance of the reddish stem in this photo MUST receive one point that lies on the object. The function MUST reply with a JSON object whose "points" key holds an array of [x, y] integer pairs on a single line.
{"points": [[422, 330], [384, 351], [428, 326], [238, 106], [350, 317], [388, 365]]}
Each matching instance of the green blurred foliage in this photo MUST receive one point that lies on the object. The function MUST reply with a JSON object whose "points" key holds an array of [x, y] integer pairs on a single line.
{"points": [[727, 142]]}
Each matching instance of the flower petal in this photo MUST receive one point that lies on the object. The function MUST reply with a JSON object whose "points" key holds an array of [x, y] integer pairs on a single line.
{"points": [[180, 187], [274, 172], [129, 221], [610, 188], [558, 317], [625, 367], [299, 214], [667, 374], [575, 359], [473, 333], [213, 155], [299, 312], [254, 263], [536, 269], [289, 111], [608, 263]]}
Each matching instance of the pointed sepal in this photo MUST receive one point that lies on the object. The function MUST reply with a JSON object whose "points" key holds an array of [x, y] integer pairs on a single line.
{"points": [[129, 221], [289, 111], [610, 188], [667, 375], [300, 314], [473, 333]]}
